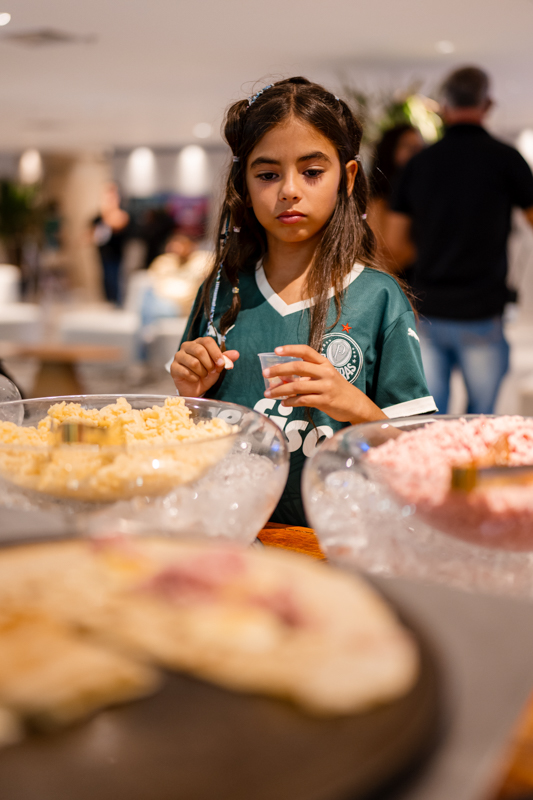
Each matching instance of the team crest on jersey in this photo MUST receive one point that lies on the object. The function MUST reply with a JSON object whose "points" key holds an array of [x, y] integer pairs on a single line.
{"points": [[345, 355]]}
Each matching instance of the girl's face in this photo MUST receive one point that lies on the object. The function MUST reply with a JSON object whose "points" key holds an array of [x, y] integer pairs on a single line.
{"points": [[293, 176]]}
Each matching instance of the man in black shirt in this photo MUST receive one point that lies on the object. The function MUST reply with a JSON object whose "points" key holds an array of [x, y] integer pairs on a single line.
{"points": [[109, 231], [452, 218]]}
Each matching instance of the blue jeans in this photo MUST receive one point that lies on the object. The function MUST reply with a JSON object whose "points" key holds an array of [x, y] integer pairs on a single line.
{"points": [[478, 348], [111, 270]]}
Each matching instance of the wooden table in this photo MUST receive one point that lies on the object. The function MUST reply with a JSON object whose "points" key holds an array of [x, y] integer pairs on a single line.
{"points": [[290, 537], [517, 781], [57, 374]]}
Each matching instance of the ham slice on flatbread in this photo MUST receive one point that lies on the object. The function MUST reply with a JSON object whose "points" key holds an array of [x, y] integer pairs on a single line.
{"points": [[268, 622]]}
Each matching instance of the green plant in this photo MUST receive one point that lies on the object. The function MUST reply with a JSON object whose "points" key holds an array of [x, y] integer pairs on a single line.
{"points": [[20, 217], [380, 111]]}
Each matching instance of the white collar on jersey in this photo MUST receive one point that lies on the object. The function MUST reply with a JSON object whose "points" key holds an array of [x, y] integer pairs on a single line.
{"points": [[280, 305]]}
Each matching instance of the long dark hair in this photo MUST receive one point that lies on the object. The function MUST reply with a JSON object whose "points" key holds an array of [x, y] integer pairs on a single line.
{"points": [[347, 238], [385, 168]]}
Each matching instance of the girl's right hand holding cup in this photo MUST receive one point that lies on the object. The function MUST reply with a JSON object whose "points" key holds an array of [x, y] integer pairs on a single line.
{"points": [[197, 366]]}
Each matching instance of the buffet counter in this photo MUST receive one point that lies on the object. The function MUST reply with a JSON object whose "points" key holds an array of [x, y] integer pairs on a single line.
{"points": [[484, 650]]}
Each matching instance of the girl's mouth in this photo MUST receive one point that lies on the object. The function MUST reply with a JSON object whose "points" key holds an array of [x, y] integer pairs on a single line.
{"points": [[290, 217]]}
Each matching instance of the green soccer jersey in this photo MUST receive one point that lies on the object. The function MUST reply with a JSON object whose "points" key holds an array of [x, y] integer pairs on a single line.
{"points": [[374, 346]]}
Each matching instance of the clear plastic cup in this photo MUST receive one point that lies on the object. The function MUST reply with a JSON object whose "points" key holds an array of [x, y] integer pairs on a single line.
{"points": [[271, 359]]}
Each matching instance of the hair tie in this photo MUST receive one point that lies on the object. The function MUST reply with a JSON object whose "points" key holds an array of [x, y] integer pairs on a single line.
{"points": [[253, 98], [236, 230], [236, 159], [364, 216]]}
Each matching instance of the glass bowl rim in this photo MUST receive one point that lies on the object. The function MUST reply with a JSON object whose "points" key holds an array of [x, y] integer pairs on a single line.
{"points": [[396, 422], [123, 448]]}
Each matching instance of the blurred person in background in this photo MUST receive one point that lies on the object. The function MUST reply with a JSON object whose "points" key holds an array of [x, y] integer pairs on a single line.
{"points": [[395, 149], [154, 230], [109, 233], [173, 280], [178, 273], [451, 220]]}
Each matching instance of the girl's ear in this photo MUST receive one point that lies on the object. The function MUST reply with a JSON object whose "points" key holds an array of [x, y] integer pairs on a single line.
{"points": [[351, 172]]}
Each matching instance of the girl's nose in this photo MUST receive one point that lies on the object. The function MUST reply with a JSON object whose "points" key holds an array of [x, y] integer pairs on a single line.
{"points": [[289, 189]]}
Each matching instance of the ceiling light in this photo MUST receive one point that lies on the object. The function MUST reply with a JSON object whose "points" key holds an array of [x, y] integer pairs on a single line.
{"points": [[445, 46], [5, 18], [30, 167], [202, 130], [141, 172], [192, 172]]}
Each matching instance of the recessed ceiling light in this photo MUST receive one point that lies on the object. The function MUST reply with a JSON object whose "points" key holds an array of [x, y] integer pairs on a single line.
{"points": [[192, 171], [141, 172], [445, 46], [5, 18], [202, 130], [30, 167]]}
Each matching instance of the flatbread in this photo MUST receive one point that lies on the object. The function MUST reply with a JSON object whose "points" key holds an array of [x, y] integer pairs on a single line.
{"points": [[53, 677], [268, 622]]}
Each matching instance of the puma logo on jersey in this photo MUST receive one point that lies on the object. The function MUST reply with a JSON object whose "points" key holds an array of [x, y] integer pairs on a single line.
{"points": [[344, 354], [414, 334]]}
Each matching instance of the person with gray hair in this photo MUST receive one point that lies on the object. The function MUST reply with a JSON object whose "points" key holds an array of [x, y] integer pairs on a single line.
{"points": [[451, 219], [468, 87]]}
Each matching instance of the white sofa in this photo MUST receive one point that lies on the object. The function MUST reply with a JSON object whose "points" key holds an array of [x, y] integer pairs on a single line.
{"points": [[21, 322], [123, 327], [115, 327], [111, 327], [9, 284], [162, 339]]}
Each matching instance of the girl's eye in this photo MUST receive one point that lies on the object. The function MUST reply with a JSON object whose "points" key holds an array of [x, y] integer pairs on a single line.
{"points": [[313, 173], [267, 176]]}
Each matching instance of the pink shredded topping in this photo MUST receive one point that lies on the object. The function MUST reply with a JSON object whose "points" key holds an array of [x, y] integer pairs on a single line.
{"points": [[417, 467], [202, 578]]}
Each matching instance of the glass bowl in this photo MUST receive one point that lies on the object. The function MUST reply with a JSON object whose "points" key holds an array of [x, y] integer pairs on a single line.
{"points": [[227, 485], [399, 515]]}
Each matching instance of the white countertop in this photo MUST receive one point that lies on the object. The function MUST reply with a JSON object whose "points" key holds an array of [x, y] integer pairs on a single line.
{"points": [[485, 645]]}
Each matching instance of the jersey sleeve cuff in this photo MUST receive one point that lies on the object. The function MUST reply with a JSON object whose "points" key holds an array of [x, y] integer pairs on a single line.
{"points": [[422, 405]]}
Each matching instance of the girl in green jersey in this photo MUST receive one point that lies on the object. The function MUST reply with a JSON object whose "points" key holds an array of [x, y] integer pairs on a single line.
{"points": [[293, 239]]}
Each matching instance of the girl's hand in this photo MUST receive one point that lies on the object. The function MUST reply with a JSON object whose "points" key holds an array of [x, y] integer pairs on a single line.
{"points": [[320, 386], [197, 366]]}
